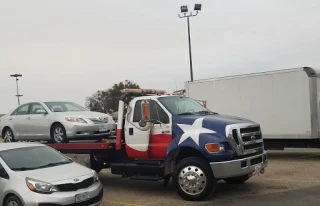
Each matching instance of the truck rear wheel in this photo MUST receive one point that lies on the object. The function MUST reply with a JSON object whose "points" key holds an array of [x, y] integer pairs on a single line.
{"points": [[193, 179], [237, 180]]}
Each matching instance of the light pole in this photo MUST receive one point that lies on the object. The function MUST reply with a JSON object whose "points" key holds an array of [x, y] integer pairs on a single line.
{"points": [[184, 11], [18, 95]]}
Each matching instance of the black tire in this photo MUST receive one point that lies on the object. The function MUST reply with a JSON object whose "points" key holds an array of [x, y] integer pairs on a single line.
{"points": [[13, 199], [201, 169], [62, 133], [6, 132], [237, 180]]}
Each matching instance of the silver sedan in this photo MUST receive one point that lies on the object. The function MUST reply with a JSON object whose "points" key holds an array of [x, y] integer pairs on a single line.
{"points": [[58, 122], [33, 174]]}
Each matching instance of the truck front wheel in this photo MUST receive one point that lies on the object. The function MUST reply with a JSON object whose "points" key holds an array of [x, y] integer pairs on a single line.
{"points": [[193, 179], [237, 180]]}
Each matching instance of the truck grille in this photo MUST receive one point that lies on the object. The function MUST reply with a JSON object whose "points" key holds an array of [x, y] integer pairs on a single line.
{"points": [[248, 140], [75, 186], [99, 121]]}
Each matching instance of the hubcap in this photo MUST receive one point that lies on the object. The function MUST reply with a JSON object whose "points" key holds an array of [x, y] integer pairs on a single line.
{"points": [[192, 180], [9, 136], [13, 203], [58, 134]]}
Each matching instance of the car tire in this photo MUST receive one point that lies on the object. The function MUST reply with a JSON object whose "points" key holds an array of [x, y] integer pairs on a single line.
{"points": [[8, 135], [58, 134], [204, 183], [237, 180], [13, 200]]}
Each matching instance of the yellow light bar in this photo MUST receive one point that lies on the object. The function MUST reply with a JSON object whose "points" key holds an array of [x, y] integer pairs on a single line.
{"points": [[143, 91]]}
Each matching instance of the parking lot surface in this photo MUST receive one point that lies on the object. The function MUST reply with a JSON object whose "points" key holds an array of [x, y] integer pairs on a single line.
{"points": [[292, 178]]}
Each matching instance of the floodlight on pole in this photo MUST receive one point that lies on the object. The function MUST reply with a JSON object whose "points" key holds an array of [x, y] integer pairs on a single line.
{"points": [[184, 11], [17, 79]]}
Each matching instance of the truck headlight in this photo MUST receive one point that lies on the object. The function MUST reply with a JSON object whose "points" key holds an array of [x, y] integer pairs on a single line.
{"points": [[40, 187], [214, 147], [74, 119]]}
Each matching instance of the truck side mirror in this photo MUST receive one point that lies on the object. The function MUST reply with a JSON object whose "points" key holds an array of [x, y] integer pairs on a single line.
{"points": [[145, 110]]}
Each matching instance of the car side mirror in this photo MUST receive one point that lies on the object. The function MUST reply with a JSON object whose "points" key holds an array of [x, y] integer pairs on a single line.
{"points": [[3, 173], [41, 111]]}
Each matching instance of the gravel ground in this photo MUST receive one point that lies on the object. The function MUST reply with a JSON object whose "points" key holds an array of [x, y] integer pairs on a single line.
{"points": [[291, 178]]}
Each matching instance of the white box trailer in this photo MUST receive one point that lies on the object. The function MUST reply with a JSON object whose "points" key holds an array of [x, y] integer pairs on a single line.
{"points": [[284, 102]]}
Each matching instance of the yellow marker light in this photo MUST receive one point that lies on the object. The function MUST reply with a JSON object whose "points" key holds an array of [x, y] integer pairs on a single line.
{"points": [[30, 186], [214, 147]]}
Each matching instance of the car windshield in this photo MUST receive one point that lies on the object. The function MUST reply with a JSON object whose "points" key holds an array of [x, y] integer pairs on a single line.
{"points": [[178, 105], [31, 158], [64, 107]]}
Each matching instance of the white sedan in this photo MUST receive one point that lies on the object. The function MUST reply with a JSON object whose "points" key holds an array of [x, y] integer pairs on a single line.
{"points": [[57, 122], [33, 174]]}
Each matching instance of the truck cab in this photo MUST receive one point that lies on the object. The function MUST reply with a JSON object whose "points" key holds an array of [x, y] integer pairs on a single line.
{"points": [[165, 136]]}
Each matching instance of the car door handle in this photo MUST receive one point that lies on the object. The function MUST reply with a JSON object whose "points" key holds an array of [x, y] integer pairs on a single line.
{"points": [[28, 118], [130, 131]]}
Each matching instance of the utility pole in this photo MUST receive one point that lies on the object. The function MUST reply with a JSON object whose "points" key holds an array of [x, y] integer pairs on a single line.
{"points": [[18, 95], [184, 10]]}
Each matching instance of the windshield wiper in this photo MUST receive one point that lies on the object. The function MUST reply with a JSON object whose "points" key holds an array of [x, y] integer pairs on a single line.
{"points": [[186, 113], [23, 168], [52, 164], [206, 112]]}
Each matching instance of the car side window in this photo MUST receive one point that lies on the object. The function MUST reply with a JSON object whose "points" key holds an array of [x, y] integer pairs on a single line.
{"points": [[35, 107], [156, 112], [23, 110], [3, 173]]}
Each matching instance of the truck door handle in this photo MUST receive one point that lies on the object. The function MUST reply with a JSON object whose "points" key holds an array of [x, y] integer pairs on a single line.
{"points": [[130, 131]]}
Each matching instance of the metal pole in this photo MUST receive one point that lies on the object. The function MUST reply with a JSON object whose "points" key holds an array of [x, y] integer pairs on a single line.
{"points": [[190, 56], [18, 91]]}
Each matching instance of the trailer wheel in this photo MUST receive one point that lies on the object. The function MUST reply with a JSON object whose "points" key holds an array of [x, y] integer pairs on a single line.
{"points": [[237, 180], [93, 164], [193, 179]]}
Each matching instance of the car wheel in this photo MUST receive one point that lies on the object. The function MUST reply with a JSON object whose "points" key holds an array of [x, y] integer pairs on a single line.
{"points": [[8, 135], [193, 179], [237, 180], [58, 134], [13, 201]]}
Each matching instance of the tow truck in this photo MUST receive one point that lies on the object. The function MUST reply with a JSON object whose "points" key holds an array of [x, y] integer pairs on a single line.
{"points": [[163, 136]]}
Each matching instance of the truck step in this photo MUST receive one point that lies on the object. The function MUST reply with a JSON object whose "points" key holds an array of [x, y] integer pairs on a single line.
{"points": [[148, 178]]}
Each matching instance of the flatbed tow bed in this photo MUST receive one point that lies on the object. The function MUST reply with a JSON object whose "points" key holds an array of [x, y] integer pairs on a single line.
{"points": [[81, 147]]}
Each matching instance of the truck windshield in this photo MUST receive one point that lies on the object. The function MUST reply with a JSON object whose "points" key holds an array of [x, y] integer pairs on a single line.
{"points": [[178, 105]]}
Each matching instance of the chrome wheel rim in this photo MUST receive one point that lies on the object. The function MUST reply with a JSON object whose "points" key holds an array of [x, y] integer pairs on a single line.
{"points": [[192, 180], [9, 137], [13, 203], [58, 134]]}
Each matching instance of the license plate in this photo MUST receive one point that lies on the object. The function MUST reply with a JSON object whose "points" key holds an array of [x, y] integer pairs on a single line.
{"points": [[82, 197], [103, 128], [257, 169]]}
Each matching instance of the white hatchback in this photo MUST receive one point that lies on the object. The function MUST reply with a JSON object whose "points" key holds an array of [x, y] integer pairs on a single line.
{"points": [[33, 174]]}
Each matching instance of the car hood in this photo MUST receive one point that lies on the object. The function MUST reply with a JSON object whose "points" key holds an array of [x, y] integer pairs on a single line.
{"points": [[82, 114], [57, 173]]}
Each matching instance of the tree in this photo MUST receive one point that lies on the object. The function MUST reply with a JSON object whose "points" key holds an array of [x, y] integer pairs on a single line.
{"points": [[107, 101]]}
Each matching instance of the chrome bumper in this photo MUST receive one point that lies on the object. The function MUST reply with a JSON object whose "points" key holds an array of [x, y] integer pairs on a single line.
{"points": [[239, 167]]}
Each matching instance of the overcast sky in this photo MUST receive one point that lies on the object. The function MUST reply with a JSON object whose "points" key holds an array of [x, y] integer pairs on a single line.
{"points": [[68, 49]]}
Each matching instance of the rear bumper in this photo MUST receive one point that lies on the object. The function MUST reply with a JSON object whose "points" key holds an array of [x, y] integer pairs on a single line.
{"points": [[239, 167], [90, 131]]}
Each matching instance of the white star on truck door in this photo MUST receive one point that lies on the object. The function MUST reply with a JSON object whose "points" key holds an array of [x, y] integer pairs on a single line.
{"points": [[193, 131]]}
